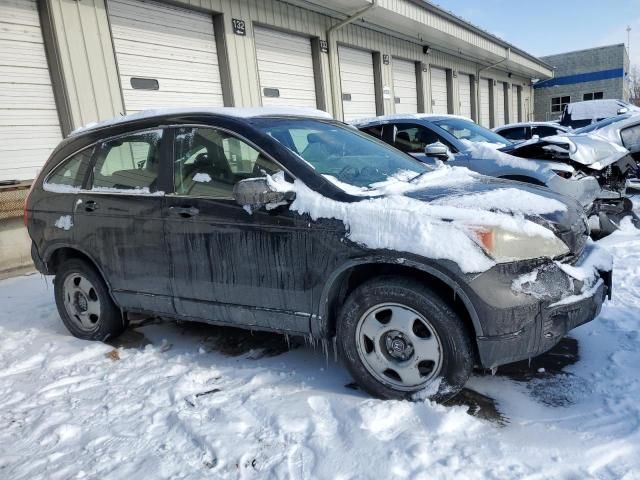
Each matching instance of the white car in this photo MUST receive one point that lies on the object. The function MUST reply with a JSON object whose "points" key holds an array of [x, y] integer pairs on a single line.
{"points": [[522, 131]]}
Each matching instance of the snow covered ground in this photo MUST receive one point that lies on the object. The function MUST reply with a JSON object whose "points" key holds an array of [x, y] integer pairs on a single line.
{"points": [[196, 401]]}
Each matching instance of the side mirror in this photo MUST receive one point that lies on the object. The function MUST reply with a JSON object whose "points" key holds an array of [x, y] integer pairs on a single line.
{"points": [[256, 192], [437, 150]]}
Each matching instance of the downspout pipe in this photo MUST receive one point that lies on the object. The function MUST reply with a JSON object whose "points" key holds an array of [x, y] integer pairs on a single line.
{"points": [[336, 101], [478, 79]]}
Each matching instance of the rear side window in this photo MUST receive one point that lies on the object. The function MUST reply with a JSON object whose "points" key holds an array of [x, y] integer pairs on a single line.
{"points": [[70, 175], [545, 131], [375, 131], [128, 163], [516, 133]]}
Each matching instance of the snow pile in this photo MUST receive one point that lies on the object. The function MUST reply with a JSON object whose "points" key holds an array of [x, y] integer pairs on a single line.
{"points": [[489, 151], [180, 407], [360, 122], [407, 224], [202, 178]]}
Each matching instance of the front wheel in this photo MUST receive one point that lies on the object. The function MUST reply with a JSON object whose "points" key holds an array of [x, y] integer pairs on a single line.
{"points": [[399, 340], [84, 302]]}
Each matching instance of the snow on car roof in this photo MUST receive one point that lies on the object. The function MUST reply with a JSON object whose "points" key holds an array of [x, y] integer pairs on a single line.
{"points": [[404, 116], [529, 124], [597, 109], [238, 112]]}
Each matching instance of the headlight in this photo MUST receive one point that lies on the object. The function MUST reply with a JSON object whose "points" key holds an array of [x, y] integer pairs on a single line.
{"points": [[506, 246]]}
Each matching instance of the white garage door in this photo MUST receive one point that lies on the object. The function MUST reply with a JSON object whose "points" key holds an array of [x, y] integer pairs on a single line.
{"points": [[405, 86], [285, 67], [485, 113], [166, 55], [514, 117], [357, 82], [439, 92], [29, 125], [500, 117], [464, 87]]}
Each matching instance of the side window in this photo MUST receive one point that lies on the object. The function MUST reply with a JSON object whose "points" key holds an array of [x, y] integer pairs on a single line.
{"points": [[209, 162], [375, 131], [128, 163], [515, 133], [71, 174], [413, 138], [544, 131]]}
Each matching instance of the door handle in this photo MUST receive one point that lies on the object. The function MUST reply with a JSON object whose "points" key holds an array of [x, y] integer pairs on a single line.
{"points": [[184, 212], [90, 206]]}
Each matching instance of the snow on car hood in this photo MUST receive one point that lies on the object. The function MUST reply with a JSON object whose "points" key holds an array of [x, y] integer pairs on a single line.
{"points": [[400, 220], [590, 150]]}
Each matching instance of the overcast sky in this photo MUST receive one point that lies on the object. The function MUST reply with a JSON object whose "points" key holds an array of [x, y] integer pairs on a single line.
{"points": [[545, 27]]}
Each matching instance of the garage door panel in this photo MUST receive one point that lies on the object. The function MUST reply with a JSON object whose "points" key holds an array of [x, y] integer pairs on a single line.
{"points": [[156, 15], [405, 87], [173, 45], [285, 65], [500, 112], [439, 91], [485, 113], [464, 89], [29, 122], [357, 82]]}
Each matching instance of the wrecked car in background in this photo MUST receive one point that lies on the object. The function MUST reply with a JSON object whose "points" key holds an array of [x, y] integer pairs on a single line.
{"points": [[591, 170], [580, 114], [286, 220]]}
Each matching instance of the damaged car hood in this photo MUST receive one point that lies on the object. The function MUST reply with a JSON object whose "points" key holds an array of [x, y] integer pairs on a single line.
{"points": [[589, 150]]}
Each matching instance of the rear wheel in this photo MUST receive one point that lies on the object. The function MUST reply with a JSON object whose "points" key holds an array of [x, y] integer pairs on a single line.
{"points": [[84, 302], [399, 339]]}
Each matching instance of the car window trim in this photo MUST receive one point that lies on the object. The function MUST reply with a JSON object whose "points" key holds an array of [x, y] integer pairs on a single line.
{"points": [[172, 149], [62, 162]]}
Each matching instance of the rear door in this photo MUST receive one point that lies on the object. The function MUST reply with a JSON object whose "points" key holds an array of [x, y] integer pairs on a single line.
{"points": [[230, 263], [118, 220]]}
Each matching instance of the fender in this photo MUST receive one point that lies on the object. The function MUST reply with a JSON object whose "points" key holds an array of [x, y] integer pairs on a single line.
{"points": [[50, 249], [319, 323]]}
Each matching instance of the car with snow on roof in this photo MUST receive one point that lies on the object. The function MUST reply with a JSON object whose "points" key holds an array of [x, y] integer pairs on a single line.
{"points": [[581, 114], [287, 220], [589, 169]]}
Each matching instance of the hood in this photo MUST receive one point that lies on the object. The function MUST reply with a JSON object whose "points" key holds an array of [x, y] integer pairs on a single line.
{"points": [[589, 150], [561, 214]]}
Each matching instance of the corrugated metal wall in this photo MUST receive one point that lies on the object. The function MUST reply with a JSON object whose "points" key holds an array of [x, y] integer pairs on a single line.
{"points": [[92, 85]]}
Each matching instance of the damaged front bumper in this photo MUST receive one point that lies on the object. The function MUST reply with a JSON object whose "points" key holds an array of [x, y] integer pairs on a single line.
{"points": [[543, 301]]}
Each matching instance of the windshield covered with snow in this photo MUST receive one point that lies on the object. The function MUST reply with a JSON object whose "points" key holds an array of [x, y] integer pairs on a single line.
{"points": [[341, 152], [466, 130], [602, 123]]}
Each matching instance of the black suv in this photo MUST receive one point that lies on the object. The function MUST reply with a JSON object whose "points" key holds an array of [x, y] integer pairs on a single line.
{"points": [[293, 222]]}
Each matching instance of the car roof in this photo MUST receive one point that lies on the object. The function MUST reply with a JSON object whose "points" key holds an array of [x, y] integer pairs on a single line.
{"points": [[234, 112], [530, 124], [363, 122]]}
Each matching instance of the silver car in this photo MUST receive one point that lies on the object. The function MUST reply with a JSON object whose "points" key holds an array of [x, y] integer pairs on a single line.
{"points": [[591, 170]]}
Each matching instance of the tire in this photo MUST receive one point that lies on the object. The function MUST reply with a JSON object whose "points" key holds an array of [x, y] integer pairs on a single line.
{"points": [[400, 340], [84, 302]]}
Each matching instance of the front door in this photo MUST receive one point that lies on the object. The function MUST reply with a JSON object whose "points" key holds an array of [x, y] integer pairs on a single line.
{"points": [[118, 221], [231, 263]]}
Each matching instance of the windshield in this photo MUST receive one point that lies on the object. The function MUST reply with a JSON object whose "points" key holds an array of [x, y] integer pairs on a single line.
{"points": [[340, 151], [602, 123], [467, 130]]}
